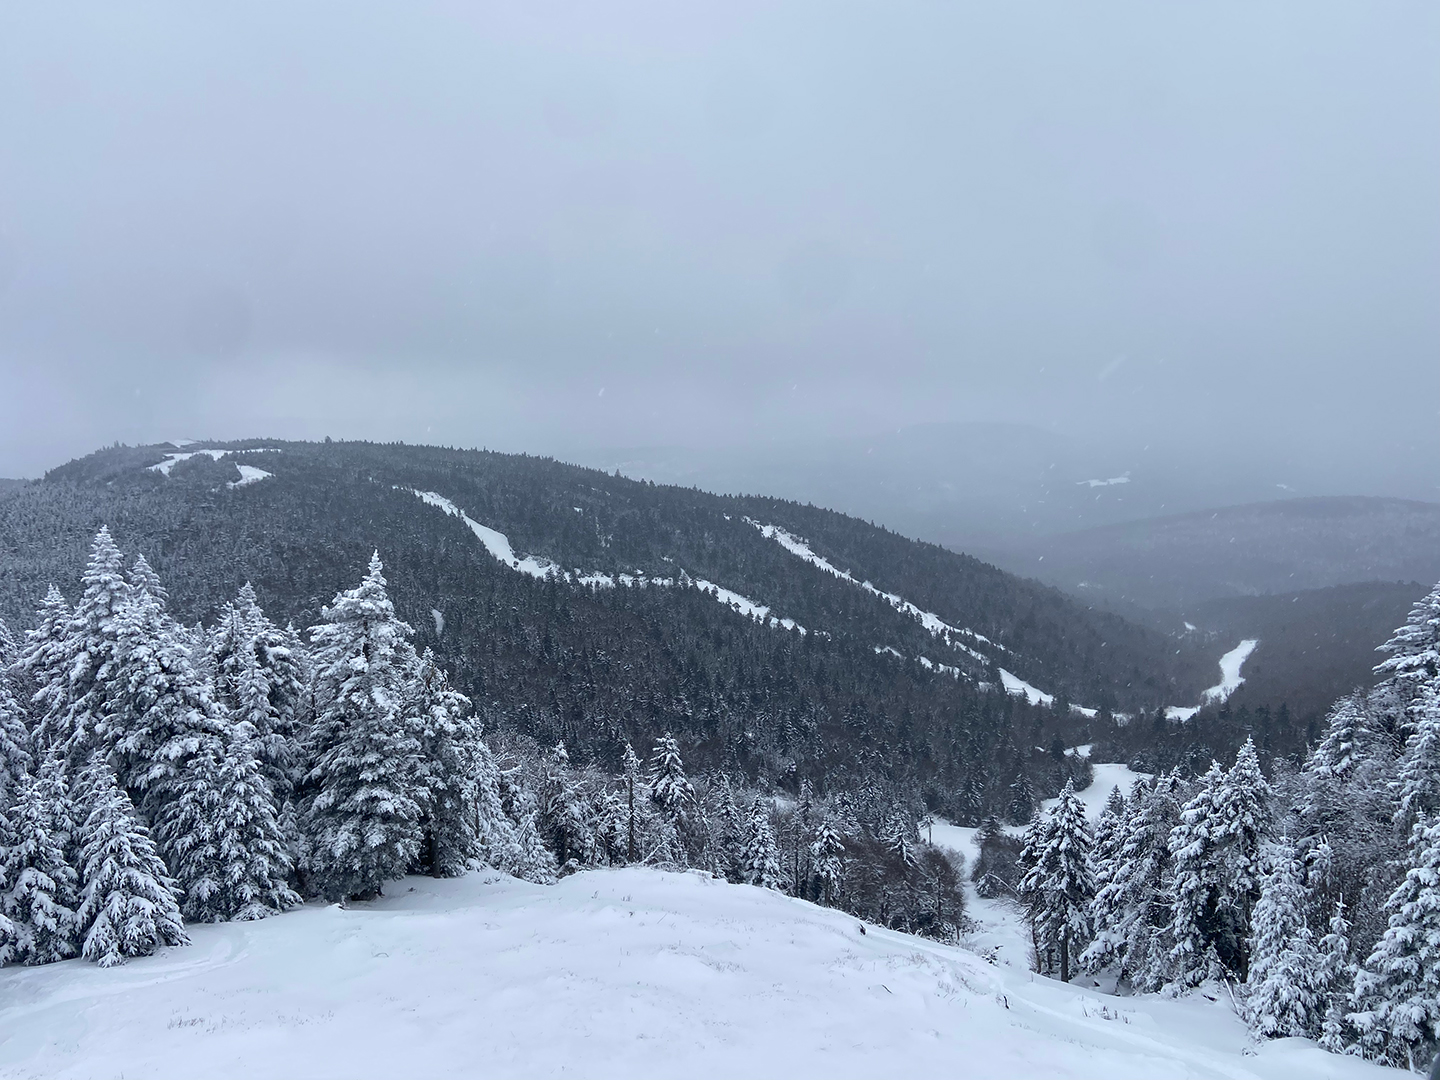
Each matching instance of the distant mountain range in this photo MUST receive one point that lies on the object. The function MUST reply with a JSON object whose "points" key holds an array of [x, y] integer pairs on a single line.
{"points": [[1282, 547], [992, 488]]}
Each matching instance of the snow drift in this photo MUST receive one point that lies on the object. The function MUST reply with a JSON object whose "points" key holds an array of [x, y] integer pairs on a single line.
{"points": [[625, 973]]}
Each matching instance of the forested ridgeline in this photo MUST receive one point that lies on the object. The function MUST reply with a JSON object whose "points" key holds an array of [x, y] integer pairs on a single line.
{"points": [[153, 774], [1314, 897], [851, 698]]}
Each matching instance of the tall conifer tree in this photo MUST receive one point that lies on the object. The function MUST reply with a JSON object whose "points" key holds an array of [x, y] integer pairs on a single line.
{"points": [[365, 796], [127, 904]]}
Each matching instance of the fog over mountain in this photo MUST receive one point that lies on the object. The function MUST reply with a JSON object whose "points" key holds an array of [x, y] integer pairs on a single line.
{"points": [[753, 230]]}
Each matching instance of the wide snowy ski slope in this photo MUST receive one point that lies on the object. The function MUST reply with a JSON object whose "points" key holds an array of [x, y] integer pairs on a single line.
{"points": [[613, 973]]}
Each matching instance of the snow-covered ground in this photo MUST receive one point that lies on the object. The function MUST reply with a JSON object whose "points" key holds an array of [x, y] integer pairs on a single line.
{"points": [[1015, 685], [1230, 680], [171, 460], [624, 973], [745, 605], [496, 543], [1230, 677], [249, 474]]}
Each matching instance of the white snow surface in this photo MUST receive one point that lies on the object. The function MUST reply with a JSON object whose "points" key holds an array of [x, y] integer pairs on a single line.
{"points": [[1230, 680], [1108, 776], [928, 619], [498, 545], [1111, 482], [619, 973], [745, 606], [944, 669], [1015, 685], [1230, 677], [249, 474], [495, 542], [171, 460]]}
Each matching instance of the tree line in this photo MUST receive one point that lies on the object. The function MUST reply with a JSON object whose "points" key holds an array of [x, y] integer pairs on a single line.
{"points": [[153, 773]]}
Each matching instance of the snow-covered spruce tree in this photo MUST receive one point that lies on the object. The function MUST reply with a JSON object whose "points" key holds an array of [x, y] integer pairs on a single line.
{"points": [[1286, 993], [221, 839], [533, 861], [1059, 883], [363, 793], [1243, 824], [730, 835], [1114, 833], [1346, 827], [495, 837], [634, 787], [9, 647], [7, 928], [1132, 912], [1417, 780], [609, 815], [1217, 871], [1413, 650], [42, 659], [760, 860], [448, 737], [261, 676], [670, 789], [828, 853], [39, 885], [1109, 835], [898, 834], [1397, 992], [163, 713], [89, 685], [66, 817], [564, 817], [1337, 983], [1199, 884], [1020, 804], [127, 903], [1335, 756], [16, 761]]}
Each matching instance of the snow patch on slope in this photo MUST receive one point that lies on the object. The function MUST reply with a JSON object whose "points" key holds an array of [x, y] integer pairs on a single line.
{"points": [[1230, 681], [1230, 677], [939, 627], [1108, 776], [171, 460], [249, 474], [498, 545], [1123, 479], [1015, 685], [745, 606]]}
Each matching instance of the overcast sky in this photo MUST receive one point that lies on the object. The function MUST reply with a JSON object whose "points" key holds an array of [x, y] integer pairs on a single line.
{"points": [[544, 226]]}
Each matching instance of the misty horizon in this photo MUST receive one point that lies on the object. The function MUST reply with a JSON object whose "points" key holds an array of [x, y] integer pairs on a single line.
{"points": [[767, 229]]}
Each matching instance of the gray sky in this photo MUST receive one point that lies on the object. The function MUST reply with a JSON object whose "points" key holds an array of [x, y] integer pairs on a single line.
{"points": [[545, 226]]}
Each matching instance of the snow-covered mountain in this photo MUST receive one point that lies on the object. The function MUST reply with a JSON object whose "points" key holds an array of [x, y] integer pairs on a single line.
{"points": [[778, 639]]}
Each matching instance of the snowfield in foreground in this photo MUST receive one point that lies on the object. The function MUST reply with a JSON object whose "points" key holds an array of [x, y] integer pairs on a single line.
{"points": [[624, 973]]}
